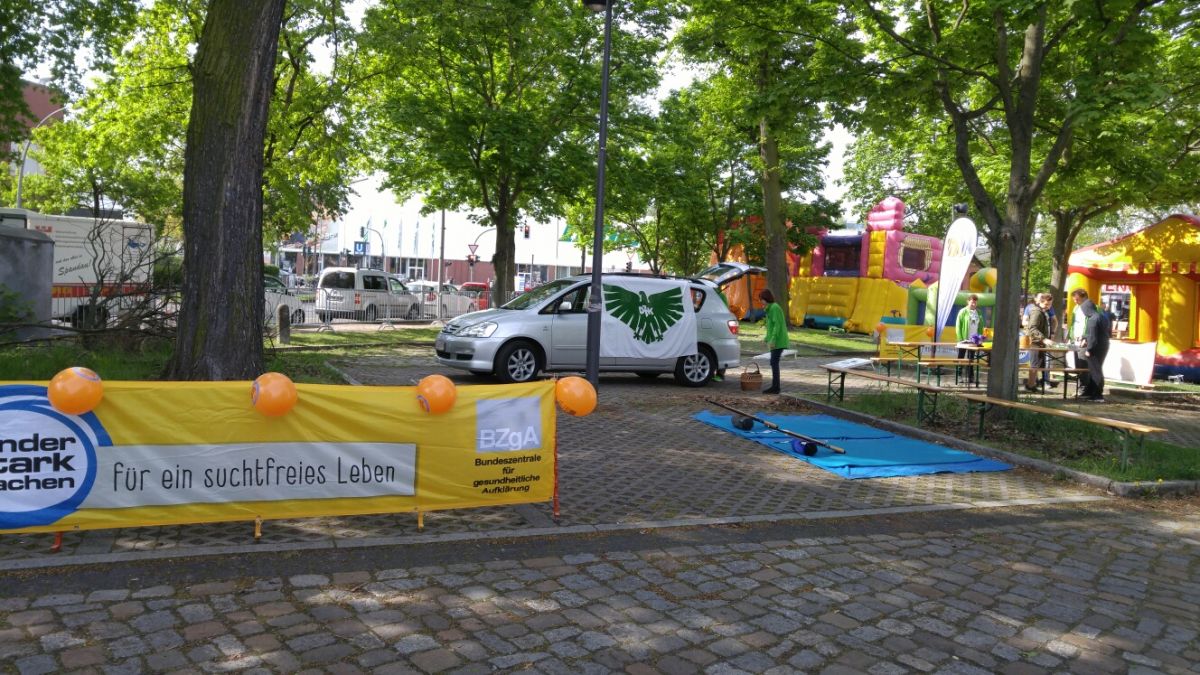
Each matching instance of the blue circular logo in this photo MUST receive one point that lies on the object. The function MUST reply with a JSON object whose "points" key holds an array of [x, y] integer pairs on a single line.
{"points": [[47, 458]]}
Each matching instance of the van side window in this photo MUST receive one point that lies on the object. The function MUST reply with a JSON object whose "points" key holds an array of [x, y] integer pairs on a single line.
{"points": [[577, 299], [338, 280], [374, 283], [397, 287], [698, 296]]}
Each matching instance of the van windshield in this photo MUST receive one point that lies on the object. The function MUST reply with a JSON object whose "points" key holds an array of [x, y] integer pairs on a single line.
{"points": [[537, 295]]}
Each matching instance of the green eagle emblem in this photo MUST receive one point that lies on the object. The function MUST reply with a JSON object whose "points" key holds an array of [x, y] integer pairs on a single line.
{"points": [[648, 317]]}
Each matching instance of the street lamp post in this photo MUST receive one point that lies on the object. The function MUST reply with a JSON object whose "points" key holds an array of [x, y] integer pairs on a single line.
{"points": [[382, 244], [25, 152], [595, 304]]}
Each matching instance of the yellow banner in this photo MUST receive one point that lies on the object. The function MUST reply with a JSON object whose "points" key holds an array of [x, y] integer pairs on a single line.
{"points": [[158, 453]]}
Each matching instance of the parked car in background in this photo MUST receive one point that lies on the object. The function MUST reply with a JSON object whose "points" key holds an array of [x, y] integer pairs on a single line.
{"points": [[364, 295], [276, 295], [479, 291], [454, 301], [546, 330]]}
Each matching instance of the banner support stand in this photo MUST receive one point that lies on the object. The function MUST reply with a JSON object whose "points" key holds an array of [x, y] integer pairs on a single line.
{"points": [[556, 512]]}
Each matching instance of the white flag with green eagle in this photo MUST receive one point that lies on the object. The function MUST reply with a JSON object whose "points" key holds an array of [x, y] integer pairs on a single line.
{"points": [[647, 318]]}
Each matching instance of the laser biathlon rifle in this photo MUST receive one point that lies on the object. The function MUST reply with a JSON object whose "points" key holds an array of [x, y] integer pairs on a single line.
{"points": [[776, 427]]}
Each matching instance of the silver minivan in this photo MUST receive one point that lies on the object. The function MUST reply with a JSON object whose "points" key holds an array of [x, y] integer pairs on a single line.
{"points": [[546, 330], [364, 295]]}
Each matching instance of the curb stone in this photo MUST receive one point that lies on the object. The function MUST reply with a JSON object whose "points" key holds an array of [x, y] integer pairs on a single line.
{"points": [[1118, 488]]}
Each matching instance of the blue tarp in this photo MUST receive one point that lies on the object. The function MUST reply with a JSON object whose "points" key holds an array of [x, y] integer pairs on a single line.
{"points": [[870, 452]]}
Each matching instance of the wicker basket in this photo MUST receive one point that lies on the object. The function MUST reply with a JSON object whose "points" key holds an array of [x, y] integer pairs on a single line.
{"points": [[751, 380]]}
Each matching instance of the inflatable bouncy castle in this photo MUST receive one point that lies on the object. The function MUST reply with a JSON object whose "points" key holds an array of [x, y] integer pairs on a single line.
{"points": [[853, 279], [1161, 266]]}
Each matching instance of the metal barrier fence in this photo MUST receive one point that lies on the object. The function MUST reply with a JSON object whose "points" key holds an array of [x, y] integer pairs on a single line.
{"points": [[302, 310]]}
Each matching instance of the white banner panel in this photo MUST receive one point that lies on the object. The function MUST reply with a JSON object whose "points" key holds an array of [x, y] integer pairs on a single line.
{"points": [[647, 318], [144, 475], [1131, 362], [957, 252]]}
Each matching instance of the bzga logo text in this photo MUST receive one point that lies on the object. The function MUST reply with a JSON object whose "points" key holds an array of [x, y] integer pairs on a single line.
{"points": [[505, 438]]}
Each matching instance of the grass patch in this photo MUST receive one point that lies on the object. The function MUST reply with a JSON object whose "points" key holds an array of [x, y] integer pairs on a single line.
{"points": [[40, 362], [1070, 443], [816, 341], [402, 335]]}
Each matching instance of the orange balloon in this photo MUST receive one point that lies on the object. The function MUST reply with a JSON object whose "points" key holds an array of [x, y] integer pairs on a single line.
{"points": [[929, 331], [75, 390], [273, 394], [436, 394], [881, 327], [575, 395]]}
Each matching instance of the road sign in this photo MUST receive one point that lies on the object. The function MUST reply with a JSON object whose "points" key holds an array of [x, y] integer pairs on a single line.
{"points": [[362, 248], [472, 247]]}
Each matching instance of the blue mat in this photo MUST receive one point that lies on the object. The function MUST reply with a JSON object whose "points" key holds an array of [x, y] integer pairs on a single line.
{"points": [[870, 452]]}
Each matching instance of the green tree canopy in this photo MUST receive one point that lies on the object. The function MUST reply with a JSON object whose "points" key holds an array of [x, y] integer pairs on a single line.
{"points": [[1012, 82], [61, 35], [785, 60], [492, 105]]}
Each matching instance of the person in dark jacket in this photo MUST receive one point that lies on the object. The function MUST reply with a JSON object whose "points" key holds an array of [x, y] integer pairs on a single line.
{"points": [[1037, 327], [1096, 336]]}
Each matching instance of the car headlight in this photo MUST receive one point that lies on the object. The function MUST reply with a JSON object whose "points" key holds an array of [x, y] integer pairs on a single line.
{"points": [[483, 329]]}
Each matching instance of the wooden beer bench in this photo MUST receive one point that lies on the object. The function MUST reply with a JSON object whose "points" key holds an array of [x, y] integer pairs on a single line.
{"points": [[1127, 430], [927, 394], [934, 366]]}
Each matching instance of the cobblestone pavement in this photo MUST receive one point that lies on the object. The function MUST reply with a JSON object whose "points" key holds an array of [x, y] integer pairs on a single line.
{"points": [[1096, 590], [680, 549]]}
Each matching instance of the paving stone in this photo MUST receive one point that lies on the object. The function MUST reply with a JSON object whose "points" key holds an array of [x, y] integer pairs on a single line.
{"points": [[57, 641], [81, 657], [128, 646], [36, 665]]}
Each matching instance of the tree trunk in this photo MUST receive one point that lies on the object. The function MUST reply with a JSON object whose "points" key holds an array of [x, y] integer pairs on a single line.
{"points": [[1064, 240], [777, 270], [220, 320], [1002, 377], [506, 253]]}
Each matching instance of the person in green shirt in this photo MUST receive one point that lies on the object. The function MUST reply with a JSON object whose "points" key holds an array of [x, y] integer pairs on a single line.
{"points": [[777, 336], [969, 323]]}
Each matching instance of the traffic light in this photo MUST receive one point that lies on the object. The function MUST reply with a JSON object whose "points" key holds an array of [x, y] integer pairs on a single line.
{"points": [[526, 231], [629, 266], [471, 260], [362, 233]]}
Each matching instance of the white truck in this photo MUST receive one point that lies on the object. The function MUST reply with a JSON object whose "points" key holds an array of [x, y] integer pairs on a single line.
{"points": [[101, 265]]}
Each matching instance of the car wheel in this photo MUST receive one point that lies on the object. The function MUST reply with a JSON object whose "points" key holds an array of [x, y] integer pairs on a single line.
{"points": [[371, 313], [414, 311], [298, 317], [649, 375], [322, 317], [517, 362], [470, 308], [697, 369]]}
